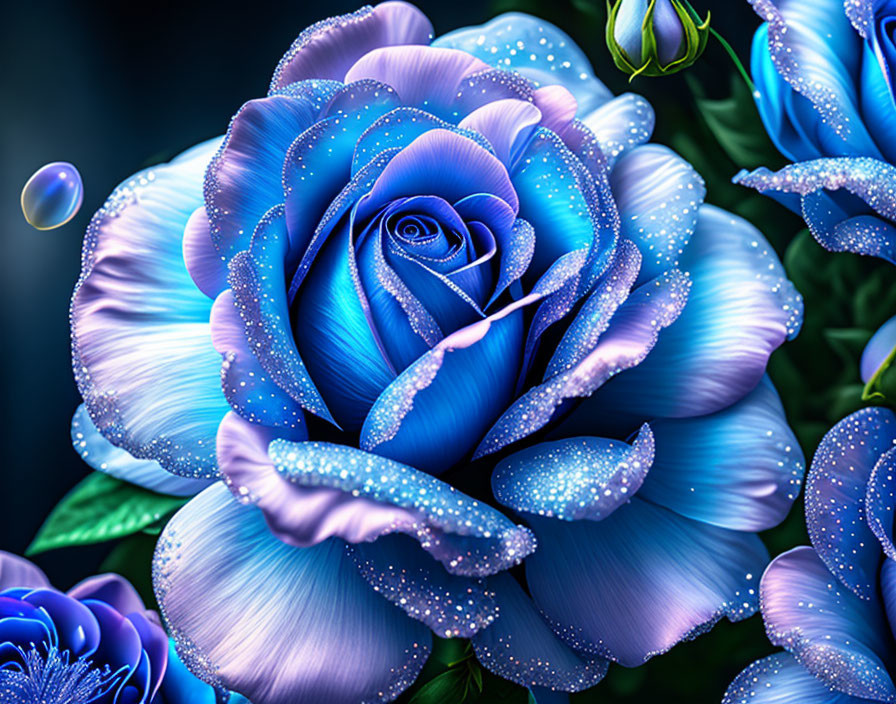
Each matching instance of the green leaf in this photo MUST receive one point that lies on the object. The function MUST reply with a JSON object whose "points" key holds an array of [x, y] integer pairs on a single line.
{"points": [[450, 686], [476, 674], [736, 125], [132, 559], [848, 343], [449, 652], [587, 7], [500, 691], [102, 508]]}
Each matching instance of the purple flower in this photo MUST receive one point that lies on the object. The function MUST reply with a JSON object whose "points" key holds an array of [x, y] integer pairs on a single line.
{"points": [[832, 605], [443, 277], [96, 643], [824, 74]]}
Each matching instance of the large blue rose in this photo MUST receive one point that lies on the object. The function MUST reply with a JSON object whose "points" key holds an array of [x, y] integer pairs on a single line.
{"points": [[95, 644], [431, 267], [833, 605], [824, 73]]}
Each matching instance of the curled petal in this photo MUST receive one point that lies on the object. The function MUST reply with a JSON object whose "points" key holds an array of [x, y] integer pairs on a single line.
{"points": [[556, 200], [451, 605], [103, 456], [243, 181], [537, 49], [329, 48], [455, 390], [595, 316], [741, 308], [840, 638], [870, 180], [318, 165], [298, 515], [257, 279], [575, 478], [659, 195], [835, 496], [507, 124], [250, 391], [631, 335], [17, 572], [469, 538], [780, 679], [242, 604], [816, 51], [141, 345]]}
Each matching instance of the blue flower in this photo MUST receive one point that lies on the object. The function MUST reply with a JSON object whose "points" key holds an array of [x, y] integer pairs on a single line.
{"points": [[430, 310], [824, 73], [831, 605], [95, 644]]}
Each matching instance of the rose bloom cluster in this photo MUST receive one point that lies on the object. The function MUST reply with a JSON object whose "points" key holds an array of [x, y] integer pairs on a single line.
{"points": [[430, 311]]}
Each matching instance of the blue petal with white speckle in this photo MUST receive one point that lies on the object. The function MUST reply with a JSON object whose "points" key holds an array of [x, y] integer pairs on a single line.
{"points": [[780, 679], [842, 639], [835, 496], [574, 479], [535, 48], [451, 605], [870, 180], [468, 537], [880, 501], [521, 647], [659, 195]]}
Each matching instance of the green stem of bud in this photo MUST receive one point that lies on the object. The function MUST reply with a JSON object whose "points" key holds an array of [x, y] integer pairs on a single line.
{"points": [[733, 54], [730, 51]]}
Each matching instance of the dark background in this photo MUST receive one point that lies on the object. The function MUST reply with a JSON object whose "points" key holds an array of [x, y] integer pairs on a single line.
{"points": [[115, 86]]}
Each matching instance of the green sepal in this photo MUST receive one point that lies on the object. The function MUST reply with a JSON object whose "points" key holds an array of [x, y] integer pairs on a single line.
{"points": [[881, 388], [696, 36], [102, 508]]}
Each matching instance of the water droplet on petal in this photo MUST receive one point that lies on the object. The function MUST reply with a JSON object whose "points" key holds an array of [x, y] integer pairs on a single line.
{"points": [[53, 195]]}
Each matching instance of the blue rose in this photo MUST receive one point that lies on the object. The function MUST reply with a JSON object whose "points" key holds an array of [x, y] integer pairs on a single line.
{"points": [[431, 310], [97, 644], [831, 605], [824, 74]]}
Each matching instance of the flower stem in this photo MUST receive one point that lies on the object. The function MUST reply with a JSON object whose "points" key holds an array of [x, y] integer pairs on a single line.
{"points": [[733, 54], [730, 51]]}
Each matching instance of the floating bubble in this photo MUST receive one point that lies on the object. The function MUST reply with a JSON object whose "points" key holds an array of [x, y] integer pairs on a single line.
{"points": [[52, 196]]}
